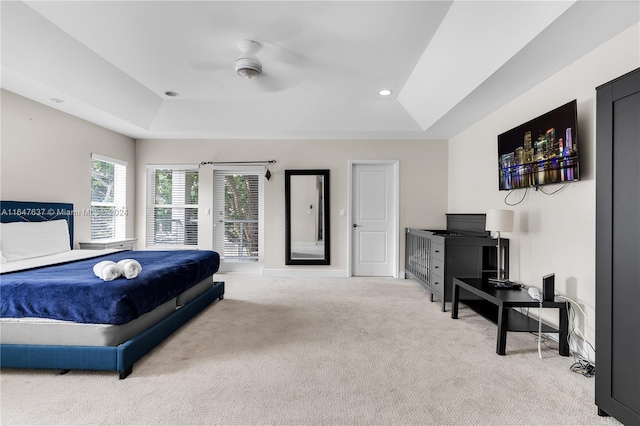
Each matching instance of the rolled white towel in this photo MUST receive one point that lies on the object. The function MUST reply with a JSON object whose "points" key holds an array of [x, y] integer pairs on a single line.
{"points": [[131, 268], [107, 270]]}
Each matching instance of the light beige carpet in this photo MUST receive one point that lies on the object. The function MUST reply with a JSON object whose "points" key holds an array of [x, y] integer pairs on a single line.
{"points": [[318, 351]]}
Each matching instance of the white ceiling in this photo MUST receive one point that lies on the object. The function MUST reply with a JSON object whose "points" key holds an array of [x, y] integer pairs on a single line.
{"points": [[449, 63]]}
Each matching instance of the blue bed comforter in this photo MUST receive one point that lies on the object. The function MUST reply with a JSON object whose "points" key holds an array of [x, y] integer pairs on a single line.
{"points": [[71, 291]]}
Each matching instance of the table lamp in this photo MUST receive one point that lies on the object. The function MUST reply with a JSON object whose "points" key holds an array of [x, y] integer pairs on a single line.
{"points": [[499, 221]]}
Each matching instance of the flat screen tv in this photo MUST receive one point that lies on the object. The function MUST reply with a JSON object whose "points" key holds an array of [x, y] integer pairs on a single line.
{"points": [[541, 151]]}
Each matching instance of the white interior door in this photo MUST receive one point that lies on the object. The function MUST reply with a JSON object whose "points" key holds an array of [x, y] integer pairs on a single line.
{"points": [[374, 219]]}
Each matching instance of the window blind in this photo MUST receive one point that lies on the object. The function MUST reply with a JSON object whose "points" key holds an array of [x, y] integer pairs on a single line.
{"points": [[172, 206], [108, 197], [238, 206]]}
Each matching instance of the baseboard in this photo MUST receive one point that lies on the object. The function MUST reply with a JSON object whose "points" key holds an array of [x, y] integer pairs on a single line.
{"points": [[305, 273]]}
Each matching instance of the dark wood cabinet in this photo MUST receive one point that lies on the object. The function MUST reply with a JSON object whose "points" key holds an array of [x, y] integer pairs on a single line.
{"points": [[464, 250], [618, 249]]}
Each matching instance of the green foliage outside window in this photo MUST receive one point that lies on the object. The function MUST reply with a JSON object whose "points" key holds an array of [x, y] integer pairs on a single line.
{"points": [[102, 181], [165, 194], [241, 212]]}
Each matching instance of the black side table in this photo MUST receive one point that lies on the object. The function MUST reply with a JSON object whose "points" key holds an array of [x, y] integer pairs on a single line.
{"points": [[496, 306]]}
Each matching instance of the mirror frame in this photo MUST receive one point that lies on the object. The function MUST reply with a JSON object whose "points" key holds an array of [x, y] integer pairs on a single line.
{"points": [[325, 215]]}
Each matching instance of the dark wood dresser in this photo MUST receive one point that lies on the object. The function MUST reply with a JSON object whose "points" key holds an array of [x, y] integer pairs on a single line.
{"points": [[463, 250]]}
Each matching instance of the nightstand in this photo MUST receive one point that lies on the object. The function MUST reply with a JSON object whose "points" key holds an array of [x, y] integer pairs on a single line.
{"points": [[108, 243]]}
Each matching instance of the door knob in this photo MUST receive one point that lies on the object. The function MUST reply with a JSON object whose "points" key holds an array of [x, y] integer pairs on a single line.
{"points": [[355, 225]]}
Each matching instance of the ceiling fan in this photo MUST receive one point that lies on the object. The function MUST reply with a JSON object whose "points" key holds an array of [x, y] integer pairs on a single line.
{"points": [[248, 65], [282, 70]]}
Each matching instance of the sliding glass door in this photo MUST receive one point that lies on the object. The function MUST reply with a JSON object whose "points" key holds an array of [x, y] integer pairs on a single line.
{"points": [[238, 215]]}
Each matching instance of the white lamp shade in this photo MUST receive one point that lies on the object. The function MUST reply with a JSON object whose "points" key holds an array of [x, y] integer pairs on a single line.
{"points": [[499, 220]]}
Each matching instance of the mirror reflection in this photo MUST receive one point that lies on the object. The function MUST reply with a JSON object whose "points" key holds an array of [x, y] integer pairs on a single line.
{"points": [[307, 222]]}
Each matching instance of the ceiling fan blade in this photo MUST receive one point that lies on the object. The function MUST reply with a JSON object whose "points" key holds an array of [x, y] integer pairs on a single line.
{"points": [[209, 66], [271, 83], [281, 68], [276, 53]]}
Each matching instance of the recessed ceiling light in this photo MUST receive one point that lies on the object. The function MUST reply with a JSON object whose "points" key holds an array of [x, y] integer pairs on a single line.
{"points": [[172, 94], [385, 92], [56, 100]]}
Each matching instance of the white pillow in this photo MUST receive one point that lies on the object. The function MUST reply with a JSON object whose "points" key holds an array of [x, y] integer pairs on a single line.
{"points": [[25, 240]]}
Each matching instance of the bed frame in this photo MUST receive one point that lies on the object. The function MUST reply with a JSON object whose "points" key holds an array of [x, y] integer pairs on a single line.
{"points": [[105, 358]]}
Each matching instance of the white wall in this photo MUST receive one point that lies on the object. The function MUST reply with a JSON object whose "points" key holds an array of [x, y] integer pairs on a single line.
{"points": [[552, 233], [46, 156], [423, 185]]}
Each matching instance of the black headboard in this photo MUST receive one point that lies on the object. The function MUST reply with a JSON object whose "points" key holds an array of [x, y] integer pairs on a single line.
{"points": [[34, 211]]}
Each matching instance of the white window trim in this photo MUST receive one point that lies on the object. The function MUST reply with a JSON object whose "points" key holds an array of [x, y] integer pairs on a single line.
{"points": [[95, 156]]}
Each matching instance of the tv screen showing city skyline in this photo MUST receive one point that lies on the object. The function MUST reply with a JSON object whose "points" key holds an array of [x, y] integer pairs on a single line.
{"points": [[541, 151]]}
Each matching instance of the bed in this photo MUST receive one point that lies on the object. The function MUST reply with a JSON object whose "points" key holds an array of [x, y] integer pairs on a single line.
{"points": [[55, 313]]}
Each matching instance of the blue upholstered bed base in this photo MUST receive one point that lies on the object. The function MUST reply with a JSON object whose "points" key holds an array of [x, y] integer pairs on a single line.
{"points": [[109, 358]]}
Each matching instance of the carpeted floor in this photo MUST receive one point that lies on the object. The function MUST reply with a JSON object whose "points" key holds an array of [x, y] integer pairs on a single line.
{"points": [[318, 351]]}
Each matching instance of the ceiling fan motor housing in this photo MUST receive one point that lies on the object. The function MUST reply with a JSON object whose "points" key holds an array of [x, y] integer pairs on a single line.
{"points": [[249, 68]]}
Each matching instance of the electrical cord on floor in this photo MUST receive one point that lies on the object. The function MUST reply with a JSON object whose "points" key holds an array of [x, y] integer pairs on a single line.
{"points": [[579, 360], [545, 340], [584, 367], [540, 328], [539, 324], [576, 331], [581, 365]]}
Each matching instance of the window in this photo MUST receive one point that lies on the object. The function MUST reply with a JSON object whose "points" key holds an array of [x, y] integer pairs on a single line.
{"points": [[172, 206], [108, 197], [238, 213]]}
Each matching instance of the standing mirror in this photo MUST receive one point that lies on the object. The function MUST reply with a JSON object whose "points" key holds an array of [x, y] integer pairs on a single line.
{"points": [[306, 217]]}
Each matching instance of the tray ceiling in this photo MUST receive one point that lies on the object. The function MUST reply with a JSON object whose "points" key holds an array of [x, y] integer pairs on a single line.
{"points": [[448, 63]]}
